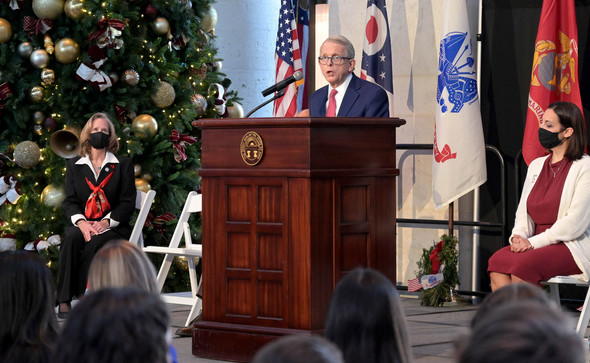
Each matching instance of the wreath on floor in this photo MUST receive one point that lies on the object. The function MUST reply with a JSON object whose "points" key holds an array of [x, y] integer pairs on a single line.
{"points": [[437, 271]]}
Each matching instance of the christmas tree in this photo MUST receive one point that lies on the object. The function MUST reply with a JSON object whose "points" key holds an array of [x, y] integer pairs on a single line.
{"points": [[151, 65]]}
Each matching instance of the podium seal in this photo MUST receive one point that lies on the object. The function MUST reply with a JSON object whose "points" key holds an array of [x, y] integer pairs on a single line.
{"points": [[251, 148]]}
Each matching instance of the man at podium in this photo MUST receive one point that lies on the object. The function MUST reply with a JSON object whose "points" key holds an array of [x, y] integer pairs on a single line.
{"points": [[346, 95]]}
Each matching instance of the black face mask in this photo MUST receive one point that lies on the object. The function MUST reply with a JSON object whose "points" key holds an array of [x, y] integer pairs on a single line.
{"points": [[549, 139], [98, 140]]}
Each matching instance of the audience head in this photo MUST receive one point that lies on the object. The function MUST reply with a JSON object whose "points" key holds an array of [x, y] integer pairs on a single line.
{"points": [[525, 331], [121, 263], [366, 320], [116, 325], [509, 293], [28, 326], [299, 348]]}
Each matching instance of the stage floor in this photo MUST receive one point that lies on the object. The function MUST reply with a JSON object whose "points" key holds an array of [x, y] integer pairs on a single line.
{"points": [[432, 330]]}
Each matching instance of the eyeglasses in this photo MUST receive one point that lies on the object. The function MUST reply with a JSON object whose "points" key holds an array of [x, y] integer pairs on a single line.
{"points": [[336, 60]]}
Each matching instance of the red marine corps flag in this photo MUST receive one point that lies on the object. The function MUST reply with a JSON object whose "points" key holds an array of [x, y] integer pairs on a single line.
{"points": [[555, 70]]}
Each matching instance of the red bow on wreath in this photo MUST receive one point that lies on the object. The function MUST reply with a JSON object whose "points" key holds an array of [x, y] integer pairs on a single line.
{"points": [[435, 257], [4, 93], [107, 32], [159, 222], [179, 141], [90, 71], [34, 26], [15, 4]]}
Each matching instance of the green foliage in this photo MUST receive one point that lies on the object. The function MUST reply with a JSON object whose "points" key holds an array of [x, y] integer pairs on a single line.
{"points": [[71, 102], [448, 256]]}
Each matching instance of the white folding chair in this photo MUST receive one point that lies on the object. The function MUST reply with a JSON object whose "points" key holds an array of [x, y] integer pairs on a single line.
{"points": [[193, 204], [554, 283], [143, 202]]}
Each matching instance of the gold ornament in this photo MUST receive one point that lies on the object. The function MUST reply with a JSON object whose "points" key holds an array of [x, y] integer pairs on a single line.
{"points": [[209, 20], [26, 154], [47, 76], [36, 94], [74, 9], [25, 49], [200, 103], [38, 117], [5, 31], [137, 169], [67, 50], [39, 58], [114, 77], [147, 177], [235, 111], [50, 9], [48, 43], [163, 95], [38, 129], [161, 26], [53, 195], [131, 77], [144, 126], [142, 185]]}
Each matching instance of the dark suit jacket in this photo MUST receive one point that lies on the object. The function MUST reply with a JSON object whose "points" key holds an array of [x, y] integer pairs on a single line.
{"points": [[120, 190], [362, 99]]}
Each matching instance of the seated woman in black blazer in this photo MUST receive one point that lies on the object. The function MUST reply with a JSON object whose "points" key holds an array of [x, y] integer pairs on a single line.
{"points": [[100, 199]]}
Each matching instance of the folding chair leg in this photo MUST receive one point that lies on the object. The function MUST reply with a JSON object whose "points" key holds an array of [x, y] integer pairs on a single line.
{"points": [[163, 273], [554, 293], [584, 317]]}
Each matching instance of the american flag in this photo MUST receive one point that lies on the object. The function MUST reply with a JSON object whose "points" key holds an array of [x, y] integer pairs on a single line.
{"points": [[414, 284], [287, 58], [376, 64], [303, 32]]}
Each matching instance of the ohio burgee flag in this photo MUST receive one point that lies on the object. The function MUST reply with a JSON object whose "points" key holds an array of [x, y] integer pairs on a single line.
{"points": [[459, 163], [554, 75]]}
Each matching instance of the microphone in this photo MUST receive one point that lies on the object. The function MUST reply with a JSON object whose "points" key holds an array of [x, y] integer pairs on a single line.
{"points": [[283, 84]]}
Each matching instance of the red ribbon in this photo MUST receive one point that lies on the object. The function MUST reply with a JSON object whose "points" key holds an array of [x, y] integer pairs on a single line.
{"points": [[159, 222], [120, 111], [34, 26], [4, 93], [179, 140], [97, 204], [104, 25]]}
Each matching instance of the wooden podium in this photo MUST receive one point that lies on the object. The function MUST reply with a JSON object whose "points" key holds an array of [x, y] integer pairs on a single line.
{"points": [[289, 206]]}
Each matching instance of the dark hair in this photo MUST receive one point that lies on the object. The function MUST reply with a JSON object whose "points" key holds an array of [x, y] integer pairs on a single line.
{"points": [[299, 349], [525, 332], [115, 325], [570, 116], [366, 320], [508, 293], [28, 326]]}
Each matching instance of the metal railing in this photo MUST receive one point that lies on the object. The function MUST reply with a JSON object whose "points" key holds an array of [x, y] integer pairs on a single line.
{"points": [[475, 224]]}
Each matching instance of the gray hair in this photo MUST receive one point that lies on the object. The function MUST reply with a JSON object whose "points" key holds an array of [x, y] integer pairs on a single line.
{"points": [[340, 39]]}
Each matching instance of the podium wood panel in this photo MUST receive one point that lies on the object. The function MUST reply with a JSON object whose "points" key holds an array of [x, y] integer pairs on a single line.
{"points": [[278, 236]]}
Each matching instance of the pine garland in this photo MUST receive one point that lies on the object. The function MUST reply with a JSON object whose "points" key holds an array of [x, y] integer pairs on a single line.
{"points": [[448, 257]]}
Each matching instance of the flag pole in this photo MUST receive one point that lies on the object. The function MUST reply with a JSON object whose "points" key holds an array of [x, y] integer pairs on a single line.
{"points": [[451, 216]]}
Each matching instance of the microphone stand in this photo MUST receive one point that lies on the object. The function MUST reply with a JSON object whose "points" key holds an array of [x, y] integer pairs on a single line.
{"points": [[279, 94]]}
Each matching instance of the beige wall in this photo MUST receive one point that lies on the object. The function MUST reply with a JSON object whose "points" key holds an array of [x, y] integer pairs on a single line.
{"points": [[415, 34]]}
